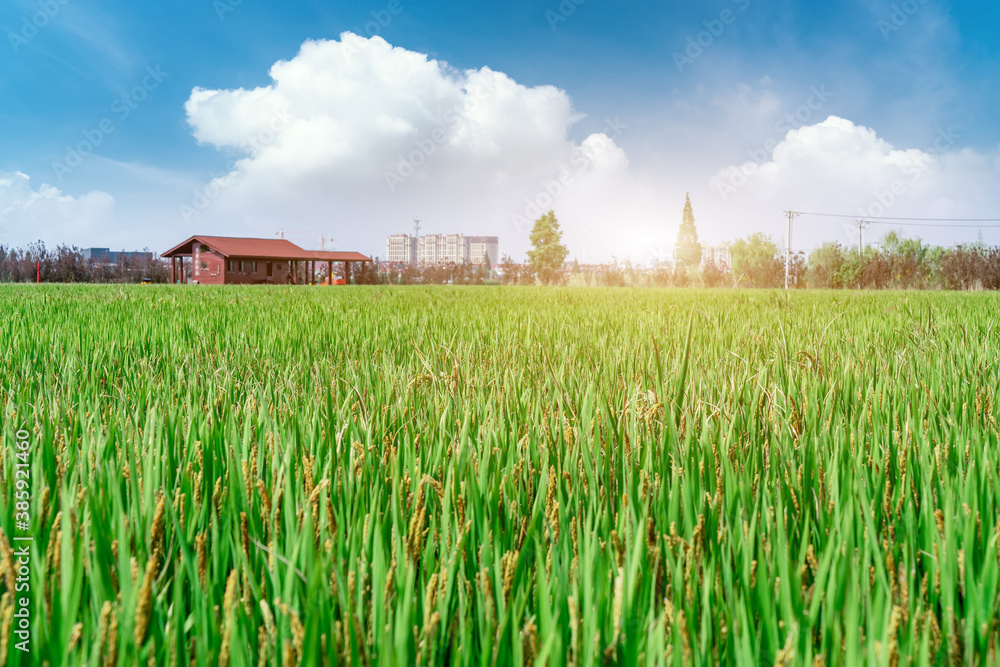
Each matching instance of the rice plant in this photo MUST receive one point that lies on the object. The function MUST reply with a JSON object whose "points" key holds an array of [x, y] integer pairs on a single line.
{"points": [[476, 476]]}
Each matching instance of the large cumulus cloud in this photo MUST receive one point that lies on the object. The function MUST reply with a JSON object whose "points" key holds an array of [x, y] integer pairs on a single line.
{"points": [[837, 166], [356, 137]]}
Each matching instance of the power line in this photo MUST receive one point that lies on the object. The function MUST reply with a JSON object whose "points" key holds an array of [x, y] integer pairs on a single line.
{"points": [[918, 224], [910, 222]]}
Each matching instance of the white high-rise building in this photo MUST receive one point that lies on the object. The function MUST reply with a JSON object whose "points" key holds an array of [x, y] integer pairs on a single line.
{"points": [[717, 254], [401, 248], [481, 246], [455, 249], [429, 249], [433, 249]]}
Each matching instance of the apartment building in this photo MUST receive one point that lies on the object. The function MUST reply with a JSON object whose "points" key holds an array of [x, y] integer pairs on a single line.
{"points": [[718, 254], [431, 249]]}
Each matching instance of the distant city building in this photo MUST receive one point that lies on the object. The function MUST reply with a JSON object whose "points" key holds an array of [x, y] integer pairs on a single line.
{"points": [[482, 246], [717, 254], [431, 249], [107, 256], [401, 248], [442, 249]]}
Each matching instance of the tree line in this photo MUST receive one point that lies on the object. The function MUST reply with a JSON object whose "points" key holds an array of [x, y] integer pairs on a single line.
{"points": [[757, 261], [66, 264], [898, 262]]}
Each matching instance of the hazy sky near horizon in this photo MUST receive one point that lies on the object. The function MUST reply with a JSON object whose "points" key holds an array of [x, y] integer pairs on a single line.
{"points": [[132, 125]]}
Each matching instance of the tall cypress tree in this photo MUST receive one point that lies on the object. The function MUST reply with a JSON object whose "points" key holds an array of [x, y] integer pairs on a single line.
{"points": [[688, 251]]}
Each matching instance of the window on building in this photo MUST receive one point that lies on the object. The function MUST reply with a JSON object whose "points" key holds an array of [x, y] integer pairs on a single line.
{"points": [[253, 267], [243, 267], [229, 266]]}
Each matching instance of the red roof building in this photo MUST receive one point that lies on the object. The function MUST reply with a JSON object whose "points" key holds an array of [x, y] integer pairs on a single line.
{"points": [[222, 260]]}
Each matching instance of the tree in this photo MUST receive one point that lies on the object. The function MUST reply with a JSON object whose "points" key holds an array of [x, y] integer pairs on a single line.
{"points": [[906, 260], [713, 274], [486, 268], [576, 267], [824, 265], [755, 259], [688, 249], [962, 266], [549, 253]]}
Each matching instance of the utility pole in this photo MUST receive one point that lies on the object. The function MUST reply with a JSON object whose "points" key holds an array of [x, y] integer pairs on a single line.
{"points": [[788, 249], [861, 225], [416, 227]]}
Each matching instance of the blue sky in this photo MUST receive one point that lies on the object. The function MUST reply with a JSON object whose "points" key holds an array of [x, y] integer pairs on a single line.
{"points": [[908, 71]]}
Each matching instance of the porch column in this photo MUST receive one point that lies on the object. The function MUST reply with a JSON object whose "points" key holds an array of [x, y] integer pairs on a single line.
{"points": [[173, 270], [347, 273], [329, 272], [293, 267]]}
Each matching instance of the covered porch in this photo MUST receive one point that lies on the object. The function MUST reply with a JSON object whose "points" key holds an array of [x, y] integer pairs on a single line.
{"points": [[307, 270]]}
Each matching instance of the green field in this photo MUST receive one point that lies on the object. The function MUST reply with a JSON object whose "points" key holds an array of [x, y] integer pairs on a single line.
{"points": [[496, 476]]}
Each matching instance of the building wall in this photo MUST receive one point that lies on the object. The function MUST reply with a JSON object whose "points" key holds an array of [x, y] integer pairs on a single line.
{"points": [[453, 248], [212, 268], [241, 271], [479, 246], [427, 249], [207, 266], [401, 248]]}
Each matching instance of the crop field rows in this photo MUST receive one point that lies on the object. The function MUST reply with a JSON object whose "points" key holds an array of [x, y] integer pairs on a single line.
{"points": [[501, 476]]}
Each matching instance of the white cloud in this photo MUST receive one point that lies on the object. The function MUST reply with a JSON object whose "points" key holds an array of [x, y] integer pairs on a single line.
{"points": [[354, 138], [836, 166], [357, 137], [47, 214]]}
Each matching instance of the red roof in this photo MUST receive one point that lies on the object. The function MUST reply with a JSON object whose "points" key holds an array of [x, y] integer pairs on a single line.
{"points": [[330, 255], [273, 248]]}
